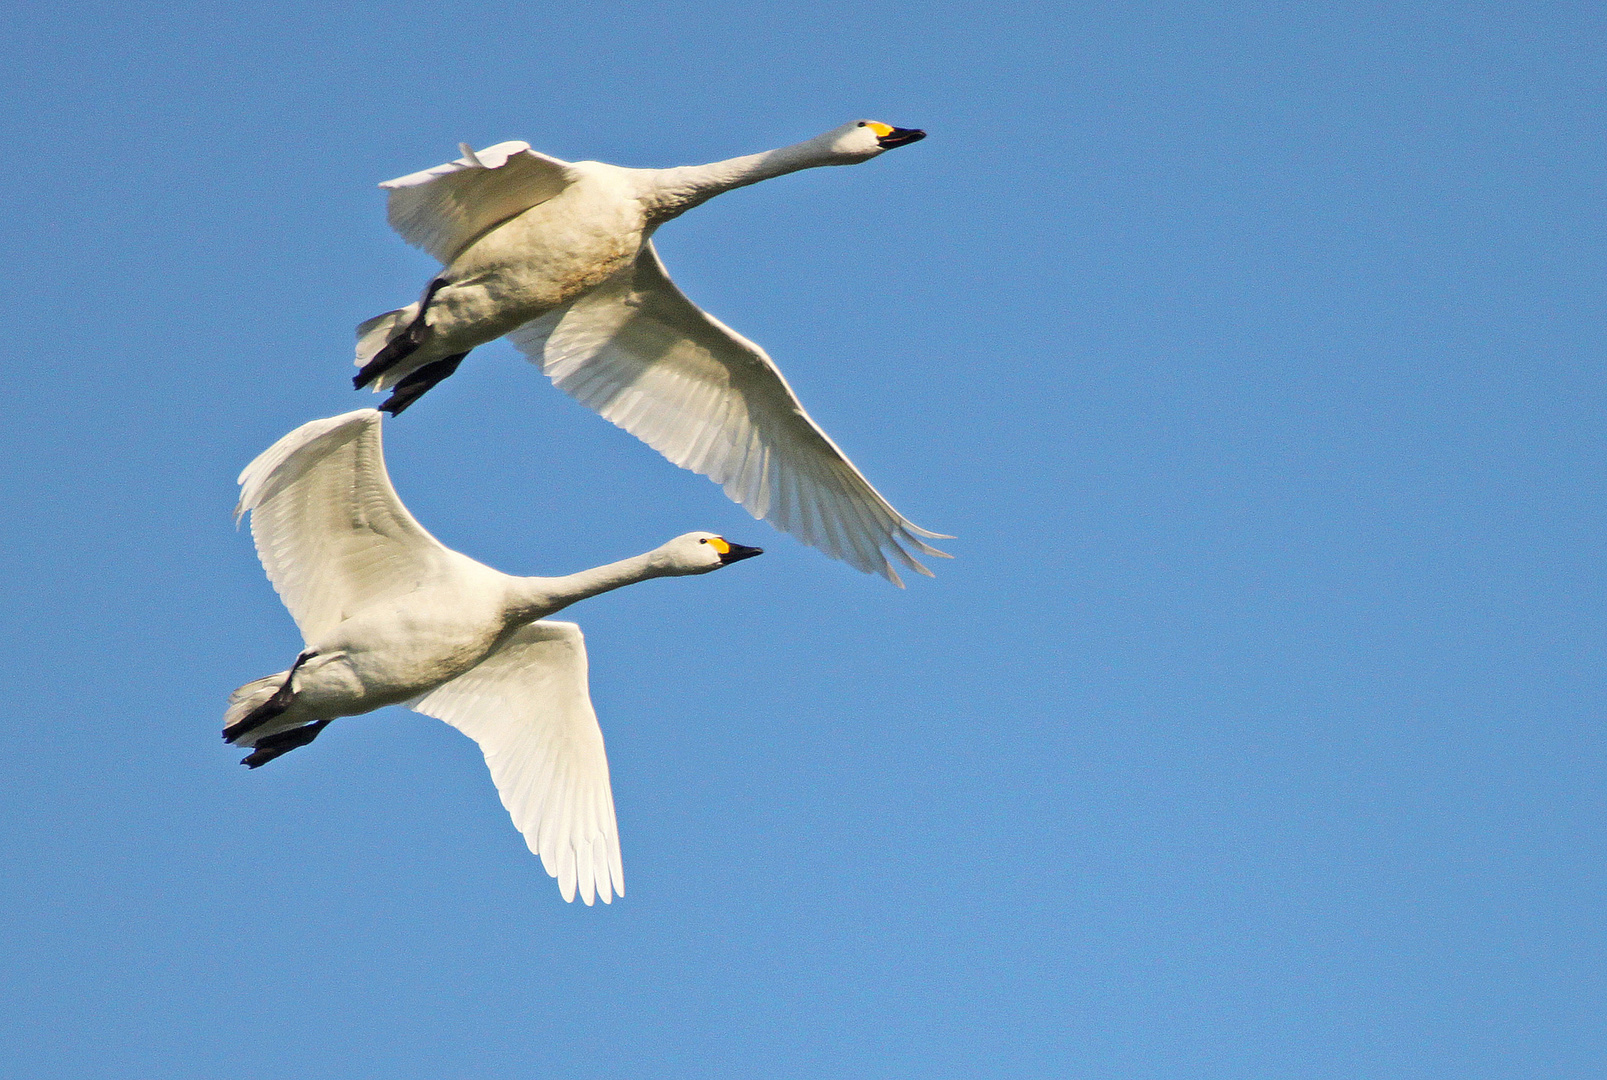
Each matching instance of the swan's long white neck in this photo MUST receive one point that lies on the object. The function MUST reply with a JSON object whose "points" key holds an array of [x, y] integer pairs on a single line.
{"points": [[537, 597], [674, 191]]}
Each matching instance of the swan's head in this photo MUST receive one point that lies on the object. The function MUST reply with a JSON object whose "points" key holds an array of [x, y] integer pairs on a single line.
{"points": [[701, 552], [864, 139]]}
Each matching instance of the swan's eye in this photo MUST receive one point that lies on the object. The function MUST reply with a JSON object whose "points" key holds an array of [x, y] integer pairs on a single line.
{"points": [[862, 123], [705, 540]]}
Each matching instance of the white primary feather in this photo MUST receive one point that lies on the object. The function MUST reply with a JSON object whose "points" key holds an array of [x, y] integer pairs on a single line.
{"points": [[444, 209], [529, 708], [640, 353], [330, 531]]}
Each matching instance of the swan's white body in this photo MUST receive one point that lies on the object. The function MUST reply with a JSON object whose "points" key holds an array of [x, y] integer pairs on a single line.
{"points": [[391, 616], [559, 255]]}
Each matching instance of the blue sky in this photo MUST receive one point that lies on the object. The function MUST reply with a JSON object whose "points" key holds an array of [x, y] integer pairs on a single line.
{"points": [[1253, 353]]}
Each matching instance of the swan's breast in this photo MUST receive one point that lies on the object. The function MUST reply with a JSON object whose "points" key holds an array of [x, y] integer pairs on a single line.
{"points": [[407, 645]]}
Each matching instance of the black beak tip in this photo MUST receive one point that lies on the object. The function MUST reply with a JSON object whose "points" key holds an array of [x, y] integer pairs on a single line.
{"points": [[900, 137], [739, 552]]}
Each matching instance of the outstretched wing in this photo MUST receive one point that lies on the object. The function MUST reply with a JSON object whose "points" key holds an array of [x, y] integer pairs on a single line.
{"points": [[528, 706], [649, 360], [329, 528], [444, 209]]}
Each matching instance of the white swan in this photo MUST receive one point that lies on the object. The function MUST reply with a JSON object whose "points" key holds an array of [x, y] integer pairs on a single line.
{"points": [[559, 255], [391, 616]]}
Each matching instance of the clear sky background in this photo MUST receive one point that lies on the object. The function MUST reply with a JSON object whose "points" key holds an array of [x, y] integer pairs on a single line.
{"points": [[1253, 353]]}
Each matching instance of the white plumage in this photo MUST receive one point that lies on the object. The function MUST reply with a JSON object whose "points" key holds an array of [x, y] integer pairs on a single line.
{"points": [[391, 616], [528, 706], [559, 256]]}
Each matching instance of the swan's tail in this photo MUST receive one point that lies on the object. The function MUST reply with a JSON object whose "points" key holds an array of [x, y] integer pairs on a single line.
{"points": [[378, 332], [266, 740], [246, 700]]}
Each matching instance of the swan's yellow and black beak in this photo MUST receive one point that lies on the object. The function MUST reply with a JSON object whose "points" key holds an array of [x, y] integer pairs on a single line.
{"points": [[897, 136], [730, 553]]}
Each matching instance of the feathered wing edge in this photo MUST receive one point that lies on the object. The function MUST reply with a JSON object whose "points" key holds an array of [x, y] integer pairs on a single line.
{"points": [[329, 528], [528, 708], [650, 361], [444, 208], [271, 470]]}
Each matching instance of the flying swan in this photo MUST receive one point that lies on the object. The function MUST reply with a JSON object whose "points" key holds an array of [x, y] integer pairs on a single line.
{"points": [[392, 617], [559, 256]]}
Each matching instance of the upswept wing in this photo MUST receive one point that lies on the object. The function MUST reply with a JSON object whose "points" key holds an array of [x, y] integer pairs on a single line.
{"points": [[528, 707], [649, 360], [444, 209], [329, 528]]}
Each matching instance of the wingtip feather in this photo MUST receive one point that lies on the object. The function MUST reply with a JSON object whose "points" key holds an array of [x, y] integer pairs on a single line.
{"points": [[258, 479]]}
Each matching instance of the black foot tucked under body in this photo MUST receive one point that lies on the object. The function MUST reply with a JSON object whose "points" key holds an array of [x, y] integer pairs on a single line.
{"points": [[285, 741], [420, 382]]}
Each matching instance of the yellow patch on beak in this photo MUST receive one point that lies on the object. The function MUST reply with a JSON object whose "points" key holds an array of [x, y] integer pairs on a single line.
{"points": [[718, 543], [881, 130]]}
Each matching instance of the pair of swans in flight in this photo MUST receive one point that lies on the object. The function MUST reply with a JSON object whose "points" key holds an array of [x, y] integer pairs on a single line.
{"points": [[559, 256]]}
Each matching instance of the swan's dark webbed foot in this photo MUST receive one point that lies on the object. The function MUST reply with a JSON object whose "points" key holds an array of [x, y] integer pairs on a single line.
{"points": [[420, 382], [285, 741], [271, 708], [401, 346]]}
